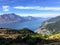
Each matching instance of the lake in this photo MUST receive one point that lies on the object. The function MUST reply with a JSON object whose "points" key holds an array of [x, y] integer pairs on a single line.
{"points": [[33, 25]]}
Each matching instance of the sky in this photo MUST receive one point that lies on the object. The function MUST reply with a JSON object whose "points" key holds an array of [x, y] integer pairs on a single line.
{"points": [[37, 8]]}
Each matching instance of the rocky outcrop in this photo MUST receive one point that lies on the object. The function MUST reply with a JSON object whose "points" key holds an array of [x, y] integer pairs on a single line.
{"points": [[50, 26]]}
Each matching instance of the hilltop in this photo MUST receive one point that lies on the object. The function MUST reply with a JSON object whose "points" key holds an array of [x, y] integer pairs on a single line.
{"points": [[13, 33]]}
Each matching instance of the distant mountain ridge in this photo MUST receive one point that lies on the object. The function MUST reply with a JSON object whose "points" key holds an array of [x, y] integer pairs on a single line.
{"points": [[10, 18], [55, 19]]}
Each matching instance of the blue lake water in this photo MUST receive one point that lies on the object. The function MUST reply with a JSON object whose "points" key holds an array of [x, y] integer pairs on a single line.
{"points": [[33, 25]]}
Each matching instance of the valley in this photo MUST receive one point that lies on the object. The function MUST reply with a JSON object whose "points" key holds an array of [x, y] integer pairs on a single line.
{"points": [[24, 22], [32, 31]]}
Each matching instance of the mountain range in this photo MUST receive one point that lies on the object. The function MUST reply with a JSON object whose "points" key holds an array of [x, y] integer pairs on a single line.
{"points": [[10, 18], [48, 26]]}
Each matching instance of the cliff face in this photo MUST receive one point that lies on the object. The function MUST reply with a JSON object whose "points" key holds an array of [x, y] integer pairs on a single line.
{"points": [[50, 26]]}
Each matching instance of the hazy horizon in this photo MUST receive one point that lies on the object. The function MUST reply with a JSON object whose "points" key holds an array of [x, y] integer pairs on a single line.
{"points": [[27, 15]]}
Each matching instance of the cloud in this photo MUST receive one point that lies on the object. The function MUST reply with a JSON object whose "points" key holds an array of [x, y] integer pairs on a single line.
{"points": [[5, 8], [41, 15], [38, 8]]}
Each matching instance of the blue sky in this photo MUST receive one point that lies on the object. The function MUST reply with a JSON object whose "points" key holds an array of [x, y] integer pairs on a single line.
{"points": [[42, 8]]}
